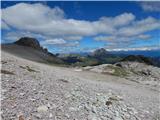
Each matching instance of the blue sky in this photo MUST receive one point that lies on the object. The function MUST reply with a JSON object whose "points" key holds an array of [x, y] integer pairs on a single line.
{"points": [[83, 26]]}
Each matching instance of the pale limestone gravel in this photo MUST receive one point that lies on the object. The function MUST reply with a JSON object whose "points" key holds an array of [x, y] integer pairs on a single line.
{"points": [[58, 93]]}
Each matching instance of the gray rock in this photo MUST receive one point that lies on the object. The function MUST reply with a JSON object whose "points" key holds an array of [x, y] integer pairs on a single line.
{"points": [[42, 108], [118, 118]]}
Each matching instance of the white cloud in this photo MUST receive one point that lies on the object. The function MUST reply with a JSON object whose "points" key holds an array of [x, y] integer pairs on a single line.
{"points": [[70, 41], [151, 6], [44, 20], [13, 36], [120, 20], [105, 38], [135, 49], [114, 42], [122, 38], [30, 14], [73, 37], [71, 44], [59, 42], [51, 25], [139, 27], [55, 41], [144, 37], [4, 26]]}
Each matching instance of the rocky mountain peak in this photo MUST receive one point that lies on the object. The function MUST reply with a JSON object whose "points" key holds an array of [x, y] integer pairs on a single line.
{"points": [[100, 52], [29, 42], [33, 43]]}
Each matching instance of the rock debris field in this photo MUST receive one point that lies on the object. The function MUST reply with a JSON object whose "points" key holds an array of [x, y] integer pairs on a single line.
{"points": [[36, 91]]}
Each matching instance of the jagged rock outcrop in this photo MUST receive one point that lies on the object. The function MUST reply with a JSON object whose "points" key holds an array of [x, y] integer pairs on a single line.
{"points": [[33, 43], [30, 48], [29, 42]]}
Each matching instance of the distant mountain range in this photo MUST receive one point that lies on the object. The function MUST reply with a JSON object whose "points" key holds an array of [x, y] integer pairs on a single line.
{"points": [[101, 56], [147, 53], [30, 48]]}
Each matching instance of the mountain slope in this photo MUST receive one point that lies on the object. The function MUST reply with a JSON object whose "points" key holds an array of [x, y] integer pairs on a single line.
{"points": [[36, 91], [29, 48]]}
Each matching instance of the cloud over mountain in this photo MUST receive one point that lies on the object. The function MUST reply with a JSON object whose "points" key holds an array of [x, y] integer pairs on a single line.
{"points": [[52, 25]]}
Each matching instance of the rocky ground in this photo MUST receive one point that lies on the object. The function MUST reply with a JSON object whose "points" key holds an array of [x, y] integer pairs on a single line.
{"points": [[34, 91], [133, 71]]}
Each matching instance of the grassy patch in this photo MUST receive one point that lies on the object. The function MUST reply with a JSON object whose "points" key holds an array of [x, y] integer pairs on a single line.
{"points": [[28, 68], [133, 71], [118, 71], [7, 72]]}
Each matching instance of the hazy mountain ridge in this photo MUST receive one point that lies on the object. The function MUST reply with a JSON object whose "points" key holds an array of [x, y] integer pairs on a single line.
{"points": [[101, 56], [31, 46]]}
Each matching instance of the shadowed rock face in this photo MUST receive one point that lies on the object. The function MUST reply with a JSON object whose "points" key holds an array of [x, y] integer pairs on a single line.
{"points": [[29, 42], [29, 48], [100, 52], [33, 43]]}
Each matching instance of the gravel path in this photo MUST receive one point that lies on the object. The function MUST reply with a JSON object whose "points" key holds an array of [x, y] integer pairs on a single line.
{"points": [[34, 91]]}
